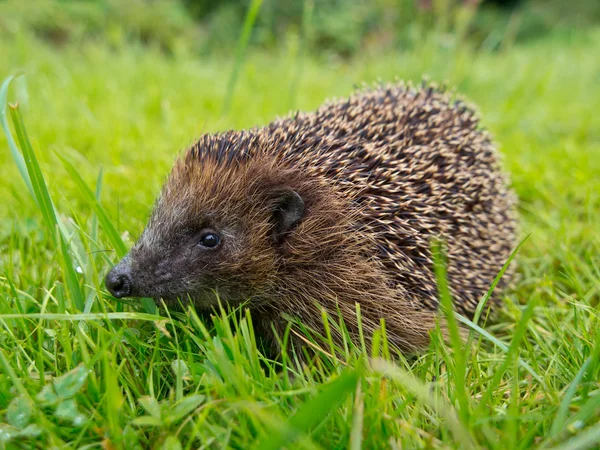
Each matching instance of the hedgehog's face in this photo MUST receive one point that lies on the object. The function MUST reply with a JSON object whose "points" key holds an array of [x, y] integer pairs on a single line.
{"points": [[211, 235]]}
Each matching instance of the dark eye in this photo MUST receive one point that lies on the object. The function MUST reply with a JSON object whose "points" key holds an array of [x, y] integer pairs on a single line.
{"points": [[210, 240]]}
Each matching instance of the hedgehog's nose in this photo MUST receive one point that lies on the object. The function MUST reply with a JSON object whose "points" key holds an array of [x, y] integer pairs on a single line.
{"points": [[118, 281]]}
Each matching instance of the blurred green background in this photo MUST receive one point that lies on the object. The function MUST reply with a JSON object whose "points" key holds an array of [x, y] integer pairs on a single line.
{"points": [[331, 27]]}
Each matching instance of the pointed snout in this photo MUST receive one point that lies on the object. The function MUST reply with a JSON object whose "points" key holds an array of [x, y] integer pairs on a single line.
{"points": [[119, 281]]}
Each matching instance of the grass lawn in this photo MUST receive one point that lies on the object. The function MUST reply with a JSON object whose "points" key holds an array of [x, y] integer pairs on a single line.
{"points": [[80, 370]]}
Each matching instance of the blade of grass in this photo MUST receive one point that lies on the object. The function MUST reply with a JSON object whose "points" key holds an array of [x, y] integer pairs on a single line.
{"points": [[71, 276], [357, 420], [16, 154], [308, 7], [82, 316], [563, 410], [42, 196], [251, 16], [40, 189], [460, 364], [91, 199], [94, 227], [11, 375], [429, 397], [586, 439], [512, 351], [312, 412], [587, 411], [488, 294], [486, 334]]}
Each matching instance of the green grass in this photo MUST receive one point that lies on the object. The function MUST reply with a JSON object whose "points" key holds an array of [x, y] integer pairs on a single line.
{"points": [[79, 369]]}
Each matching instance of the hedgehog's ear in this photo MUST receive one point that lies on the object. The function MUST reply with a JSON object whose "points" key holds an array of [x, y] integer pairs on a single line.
{"points": [[288, 209]]}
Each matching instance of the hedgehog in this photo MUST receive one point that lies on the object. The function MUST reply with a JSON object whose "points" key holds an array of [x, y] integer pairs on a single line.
{"points": [[325, 210]]}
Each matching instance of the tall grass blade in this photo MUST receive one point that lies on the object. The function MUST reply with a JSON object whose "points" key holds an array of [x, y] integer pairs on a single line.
{"points": [[92, 200], [490, 291], [312, 412], [510, 354], [40, 189], [85, 316], [357, 420], [251, 16], [460, 364], [563, 410], [42, 196], [429, 397], [71, 276], [587, 439], [308, 7], [94, 227], [16, 154], [587, 412], [497, 342], [22, 164]]}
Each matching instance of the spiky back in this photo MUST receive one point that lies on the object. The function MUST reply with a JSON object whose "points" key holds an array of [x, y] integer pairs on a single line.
{"points": [[415, 165]]}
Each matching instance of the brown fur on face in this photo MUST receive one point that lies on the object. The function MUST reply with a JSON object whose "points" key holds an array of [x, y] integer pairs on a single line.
{"points": [[378, 176]]}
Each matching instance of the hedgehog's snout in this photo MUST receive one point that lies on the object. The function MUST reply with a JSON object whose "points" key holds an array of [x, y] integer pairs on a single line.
{"points": [[119, 280]]}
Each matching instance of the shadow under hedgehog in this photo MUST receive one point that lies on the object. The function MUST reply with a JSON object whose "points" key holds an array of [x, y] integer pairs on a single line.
{"points": [[328, 209]]}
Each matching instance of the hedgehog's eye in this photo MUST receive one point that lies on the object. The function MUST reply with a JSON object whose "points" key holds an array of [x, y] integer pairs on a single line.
{"points": [[209, 240]]}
